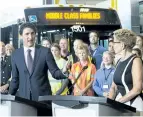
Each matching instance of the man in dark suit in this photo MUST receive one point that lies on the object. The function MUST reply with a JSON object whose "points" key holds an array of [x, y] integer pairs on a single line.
{"points": [[30, 65], [5, 69]]}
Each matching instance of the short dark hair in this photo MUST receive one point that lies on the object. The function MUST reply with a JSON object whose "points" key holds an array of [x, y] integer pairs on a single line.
{"points": [[97, 33], [27, 25]]}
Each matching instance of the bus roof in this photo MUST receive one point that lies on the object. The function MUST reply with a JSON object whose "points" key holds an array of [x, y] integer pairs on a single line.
{"points": [[63, 5], [71, 15], [9, 23]]}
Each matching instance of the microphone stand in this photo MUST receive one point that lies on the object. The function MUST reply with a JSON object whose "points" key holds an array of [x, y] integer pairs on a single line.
{"points": [[67, 81]]}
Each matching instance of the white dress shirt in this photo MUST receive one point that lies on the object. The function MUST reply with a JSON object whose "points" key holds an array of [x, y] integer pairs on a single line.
{"points": [[26, 52]]}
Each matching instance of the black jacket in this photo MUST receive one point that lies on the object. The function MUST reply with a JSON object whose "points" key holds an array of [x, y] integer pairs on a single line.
{"points": [[5, 70], [37, 83]]}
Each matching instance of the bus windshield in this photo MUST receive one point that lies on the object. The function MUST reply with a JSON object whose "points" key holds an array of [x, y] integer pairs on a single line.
{"points": [[72, 22], [71, 16]]}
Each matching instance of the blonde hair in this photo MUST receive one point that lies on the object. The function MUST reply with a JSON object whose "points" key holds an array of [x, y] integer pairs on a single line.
{"points": [[2, 43], [80, 43], [126, 36], [78, 40], [83, 47], [9, 46], [109, 53]]}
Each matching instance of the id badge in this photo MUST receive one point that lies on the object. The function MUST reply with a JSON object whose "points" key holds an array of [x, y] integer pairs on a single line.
{"points": [[105, 86]]}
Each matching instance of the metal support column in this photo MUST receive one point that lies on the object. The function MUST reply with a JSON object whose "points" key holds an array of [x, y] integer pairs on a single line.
{"points": [[54, 2], [129, 17], [48, 2]]}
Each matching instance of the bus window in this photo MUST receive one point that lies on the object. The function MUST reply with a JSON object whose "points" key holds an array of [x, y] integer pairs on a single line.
{"points": [[82, 36], [57, 37]]}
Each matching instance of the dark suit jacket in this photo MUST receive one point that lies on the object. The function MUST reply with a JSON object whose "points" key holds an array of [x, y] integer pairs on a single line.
{"points": [[5, 70], [37, 82]]}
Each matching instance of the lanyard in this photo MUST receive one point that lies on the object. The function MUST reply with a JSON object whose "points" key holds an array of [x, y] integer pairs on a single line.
{"points": [[106, 77]]}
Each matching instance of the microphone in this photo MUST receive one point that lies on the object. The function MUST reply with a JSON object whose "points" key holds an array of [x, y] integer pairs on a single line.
{"points": [[84, 68], [67, 81]]}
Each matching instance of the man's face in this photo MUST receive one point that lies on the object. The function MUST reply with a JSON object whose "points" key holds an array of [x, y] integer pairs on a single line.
{"points": [[93, 38], [28, 37], [2, 48], [63, 44]]}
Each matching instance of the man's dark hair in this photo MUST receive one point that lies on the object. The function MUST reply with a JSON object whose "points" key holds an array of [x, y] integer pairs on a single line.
{"points": [[97, 33], [27, 25]]}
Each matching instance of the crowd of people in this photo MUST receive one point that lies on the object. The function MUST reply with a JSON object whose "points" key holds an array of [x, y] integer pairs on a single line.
{"points": [[92, 70]]}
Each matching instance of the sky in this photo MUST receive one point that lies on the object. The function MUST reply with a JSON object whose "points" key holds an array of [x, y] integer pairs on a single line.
{"points": [[12, 9]]}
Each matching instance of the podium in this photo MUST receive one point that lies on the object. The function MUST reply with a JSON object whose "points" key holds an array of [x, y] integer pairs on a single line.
{"points": [[86, 106], [16, 106]]}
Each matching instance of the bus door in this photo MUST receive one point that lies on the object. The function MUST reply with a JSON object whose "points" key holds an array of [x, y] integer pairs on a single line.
{"points": [[52, 35]]}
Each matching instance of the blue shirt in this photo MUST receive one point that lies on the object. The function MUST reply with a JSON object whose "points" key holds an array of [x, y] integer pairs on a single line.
{"points": [[103, 76], [97, 55]]}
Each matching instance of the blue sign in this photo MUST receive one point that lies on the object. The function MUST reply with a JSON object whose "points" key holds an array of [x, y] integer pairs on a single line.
{"points": [[32, 18]]}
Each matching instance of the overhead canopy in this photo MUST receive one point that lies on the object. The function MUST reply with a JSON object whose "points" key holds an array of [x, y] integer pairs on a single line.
{"points": [[86, 2]]}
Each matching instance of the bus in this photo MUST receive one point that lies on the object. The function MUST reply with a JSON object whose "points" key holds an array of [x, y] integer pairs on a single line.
{"points": [[54, 22], [9, 33]]}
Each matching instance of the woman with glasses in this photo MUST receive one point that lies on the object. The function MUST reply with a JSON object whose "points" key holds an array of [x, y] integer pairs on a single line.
{"points": [[128, 77]]}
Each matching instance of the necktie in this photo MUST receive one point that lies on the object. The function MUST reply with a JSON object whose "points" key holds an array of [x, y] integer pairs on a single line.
{"points": [[29, 61]]}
